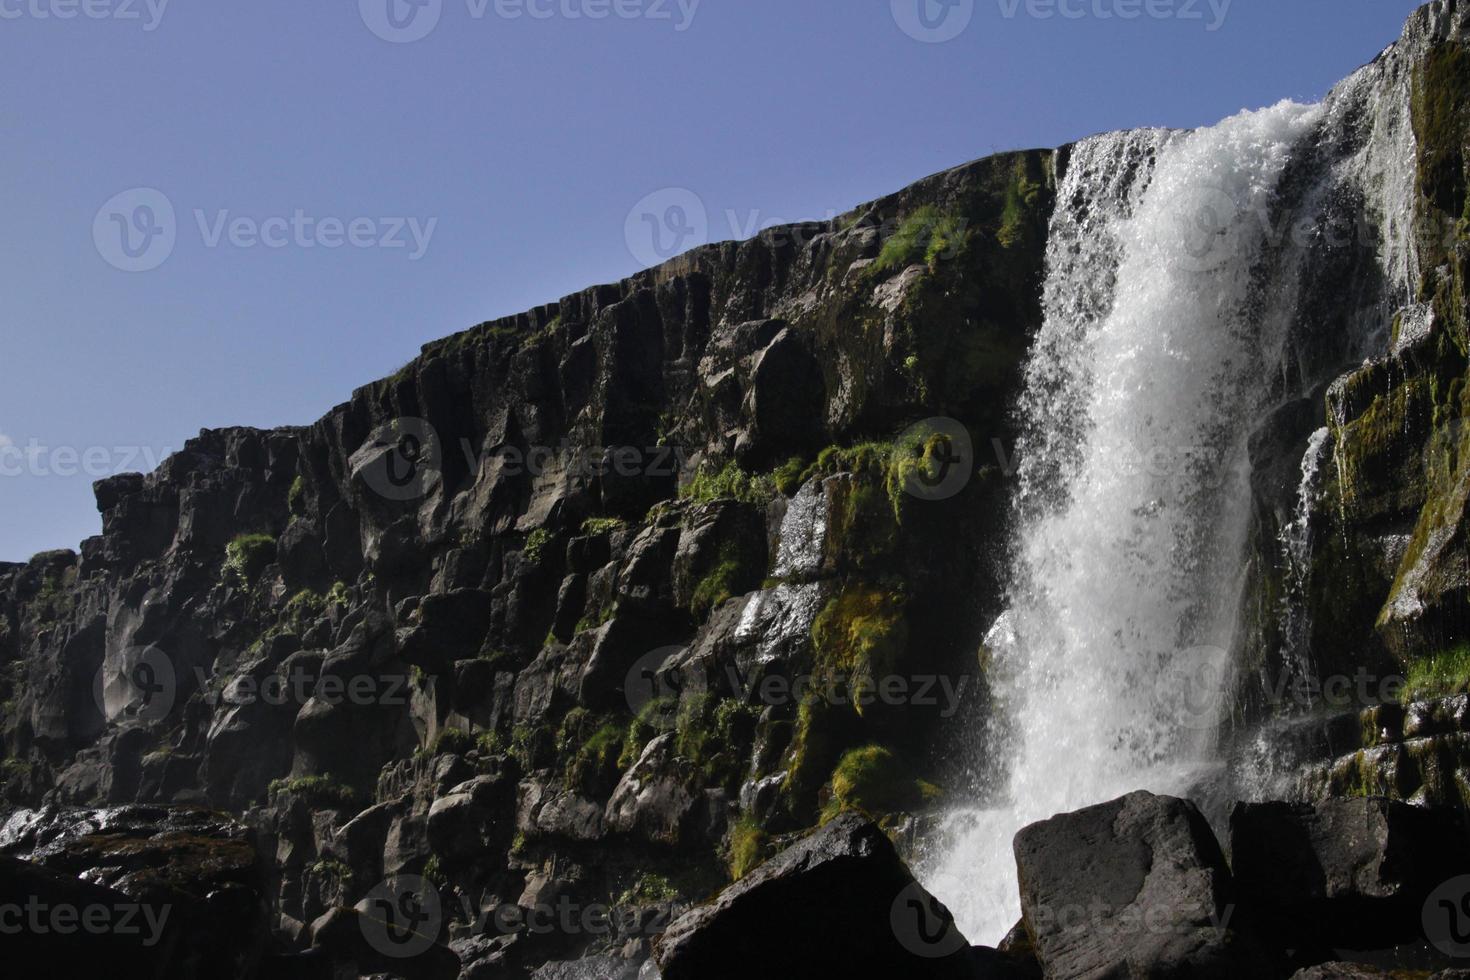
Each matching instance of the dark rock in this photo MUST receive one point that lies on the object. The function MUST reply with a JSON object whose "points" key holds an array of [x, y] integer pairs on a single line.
{"points": [[348, 937], [131, 942], [787, 400], [466, 821], [840, 903], [203, 868], [1135, 887], [1343, 874], [657, 799]]}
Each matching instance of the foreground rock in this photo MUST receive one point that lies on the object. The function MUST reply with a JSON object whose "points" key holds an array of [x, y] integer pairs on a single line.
{"points": [[1343, 874], [73, 926], [198, 869], [840, 903], [1137, 887]]}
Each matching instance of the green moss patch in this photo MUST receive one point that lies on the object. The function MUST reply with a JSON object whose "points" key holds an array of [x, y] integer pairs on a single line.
{"points": [[874, 780], [247, 556], [322, 791], [720, 582], [715, 735], [596, 526], [730, 482], [537, 543], [749, 846], [927, 235], [452, 741], [860, 637], [592, 746], [1439, 674]]}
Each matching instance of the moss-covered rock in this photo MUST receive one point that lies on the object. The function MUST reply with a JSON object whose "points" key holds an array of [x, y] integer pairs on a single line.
{"points": [[877, 781]]}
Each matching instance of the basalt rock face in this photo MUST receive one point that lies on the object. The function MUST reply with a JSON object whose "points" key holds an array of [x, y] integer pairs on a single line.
{"points": [[531, 617], [1364, 479], [534, 624]]}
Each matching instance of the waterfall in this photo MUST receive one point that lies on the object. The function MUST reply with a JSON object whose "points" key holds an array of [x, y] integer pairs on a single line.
{"points": [[1184, 276]]}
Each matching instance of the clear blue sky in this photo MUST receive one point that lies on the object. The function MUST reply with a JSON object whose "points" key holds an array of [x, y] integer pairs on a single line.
{"points": [[528, 139]]}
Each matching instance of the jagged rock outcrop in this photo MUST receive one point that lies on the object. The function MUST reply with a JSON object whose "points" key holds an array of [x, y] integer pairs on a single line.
{"points": [[1135, 887], [414, 638]]}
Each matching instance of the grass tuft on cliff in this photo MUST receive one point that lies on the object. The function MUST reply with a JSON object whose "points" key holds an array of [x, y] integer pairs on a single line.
{"points": [[1438, 675], [321, 791], [925, 237], [874, 780], [248, 555], [729, 483], [749, 847]]}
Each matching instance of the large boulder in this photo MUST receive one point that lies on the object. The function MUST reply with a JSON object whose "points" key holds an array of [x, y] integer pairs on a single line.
{"points": [[657, 797], [840, 903], [69, 927], [474, 814], [1133, 888], [1343, 873]]}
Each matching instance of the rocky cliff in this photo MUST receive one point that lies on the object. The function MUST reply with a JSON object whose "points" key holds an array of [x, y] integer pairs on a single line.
{"points": [[510, 617], [603, 605]]}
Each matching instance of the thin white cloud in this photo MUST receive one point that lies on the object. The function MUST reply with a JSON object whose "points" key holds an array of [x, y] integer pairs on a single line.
{"points": [[5, 441]]}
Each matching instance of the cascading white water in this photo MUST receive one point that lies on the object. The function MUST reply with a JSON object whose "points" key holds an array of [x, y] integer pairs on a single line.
{"points": [[1172, 298], [1296, 555]]}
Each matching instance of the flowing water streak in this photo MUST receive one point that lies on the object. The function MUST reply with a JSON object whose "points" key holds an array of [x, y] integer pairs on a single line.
{"points": [[1133, 490], [1296, 555]]}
